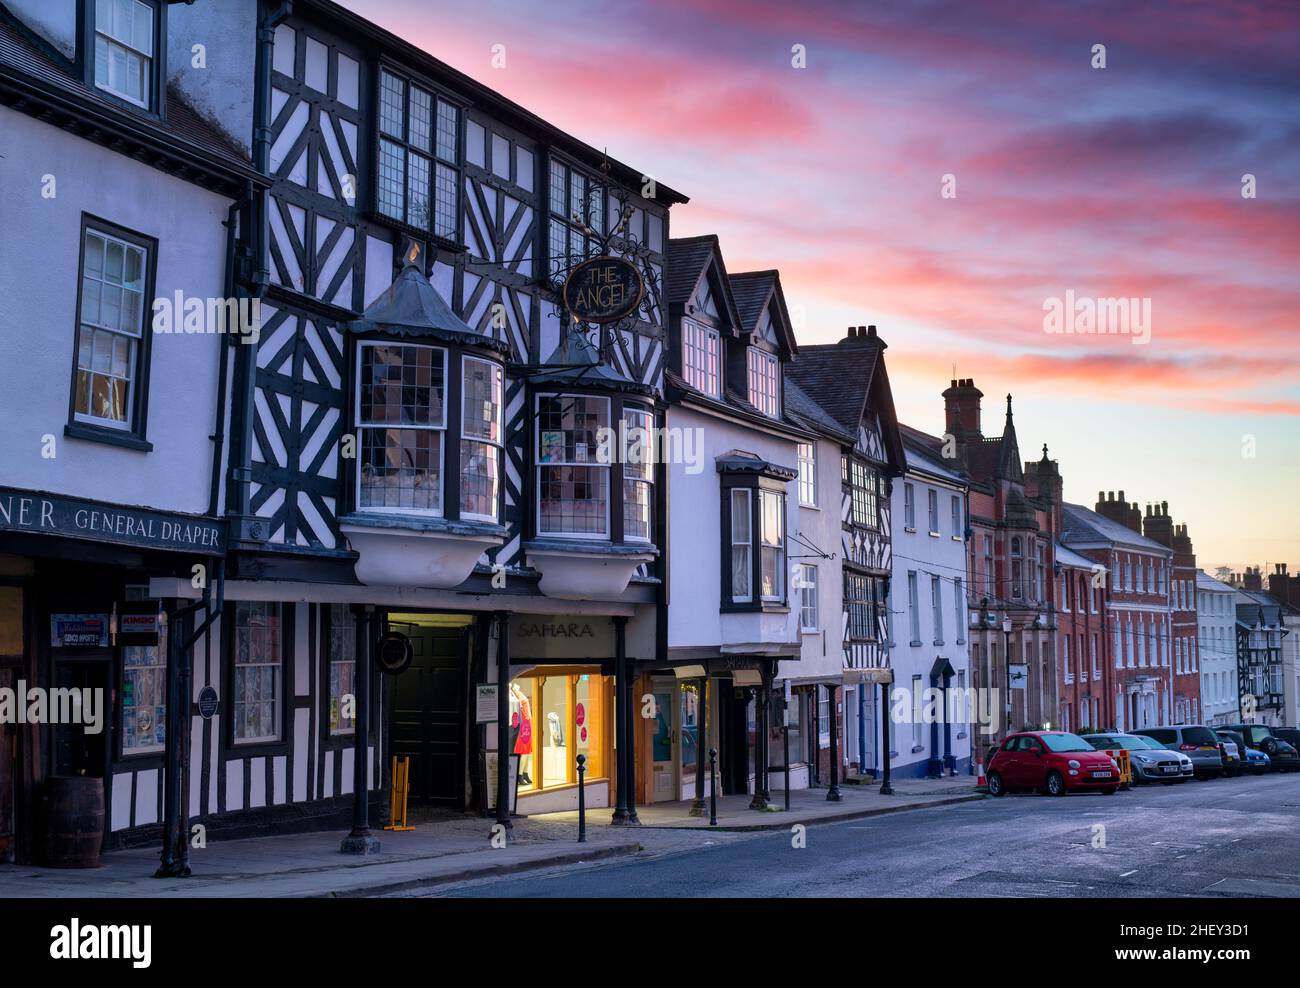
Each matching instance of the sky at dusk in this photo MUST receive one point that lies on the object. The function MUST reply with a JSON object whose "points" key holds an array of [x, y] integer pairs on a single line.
{"points": [[1122, 181]]}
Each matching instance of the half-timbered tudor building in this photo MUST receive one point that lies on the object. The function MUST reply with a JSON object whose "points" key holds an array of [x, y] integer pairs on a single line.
{"points": [[424, 446], [731, 613], [849, 382], [114, 192], [421, 459]]}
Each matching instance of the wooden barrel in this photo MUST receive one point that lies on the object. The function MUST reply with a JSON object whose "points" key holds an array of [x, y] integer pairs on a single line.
{"points": [[74, 821]]}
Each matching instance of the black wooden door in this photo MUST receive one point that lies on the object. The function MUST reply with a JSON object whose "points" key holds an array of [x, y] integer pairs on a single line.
{"points": [[427, 714], [733, 738]]}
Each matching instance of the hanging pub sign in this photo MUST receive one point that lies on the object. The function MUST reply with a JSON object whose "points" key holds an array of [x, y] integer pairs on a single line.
{"points": [[393, 653], [603, 290]]}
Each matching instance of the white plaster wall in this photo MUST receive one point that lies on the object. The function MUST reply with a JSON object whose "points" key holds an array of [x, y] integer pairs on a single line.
{"points": [[53, 20], [694, 562], [39, 256], [918, 551], [1216, 632], [222, 90], [822, 652]]}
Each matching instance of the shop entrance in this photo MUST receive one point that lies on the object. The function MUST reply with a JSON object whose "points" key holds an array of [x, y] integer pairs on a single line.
{"points": [[426, 719], [664, 743], [77, 751], [733, 738]]}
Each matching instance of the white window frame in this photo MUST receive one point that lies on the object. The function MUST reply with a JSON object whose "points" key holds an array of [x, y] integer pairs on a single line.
{"points": [[955, 503], [763, 370], [647, 477], [936, 607], [909, 507], [914, 606], [932, 509], [112, 41], [440, 511], [702, 357], [538, 466], [135, 340], [498, 443], [808, 611], [807, 455], [778, 547], [741, 496]]}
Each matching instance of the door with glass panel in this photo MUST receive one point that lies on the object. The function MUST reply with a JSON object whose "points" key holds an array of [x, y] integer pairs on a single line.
{"points": [[663, 743]]}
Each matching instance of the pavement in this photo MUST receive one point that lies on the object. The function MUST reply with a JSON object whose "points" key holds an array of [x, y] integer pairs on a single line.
{"points": [[450, 848], [1222, 838]]}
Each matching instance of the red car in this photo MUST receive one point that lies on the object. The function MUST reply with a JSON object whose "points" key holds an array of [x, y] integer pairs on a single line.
{"points": [[1052, 761]]}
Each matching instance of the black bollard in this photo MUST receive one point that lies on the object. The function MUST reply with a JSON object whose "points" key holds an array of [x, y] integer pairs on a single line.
{"points": [[713, 787], [582, 800]]}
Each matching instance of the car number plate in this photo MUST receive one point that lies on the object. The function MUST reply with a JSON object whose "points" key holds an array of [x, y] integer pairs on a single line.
{"points": [[1171, 768], [1101, 775]]}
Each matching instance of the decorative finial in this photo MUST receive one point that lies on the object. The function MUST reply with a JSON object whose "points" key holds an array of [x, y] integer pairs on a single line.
{"points": [[1044, 450]]}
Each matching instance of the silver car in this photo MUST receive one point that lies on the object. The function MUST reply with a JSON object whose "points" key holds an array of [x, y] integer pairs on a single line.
{"points": [[1196, 741], [1149, 764], [1184, 763]]}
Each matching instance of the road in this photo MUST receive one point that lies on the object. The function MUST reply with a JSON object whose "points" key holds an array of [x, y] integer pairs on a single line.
{"points": [[1228, 837]]}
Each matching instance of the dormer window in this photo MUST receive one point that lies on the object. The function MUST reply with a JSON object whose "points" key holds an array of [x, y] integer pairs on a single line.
{"points": [[701, 358], [764, 382], [124, 49]]}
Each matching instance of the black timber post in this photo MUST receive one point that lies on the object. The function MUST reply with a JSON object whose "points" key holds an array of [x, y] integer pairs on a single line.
{"points": [[361, 840]]}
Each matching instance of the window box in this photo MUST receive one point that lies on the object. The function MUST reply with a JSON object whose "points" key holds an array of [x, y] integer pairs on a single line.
{"points": [[575, 570]]}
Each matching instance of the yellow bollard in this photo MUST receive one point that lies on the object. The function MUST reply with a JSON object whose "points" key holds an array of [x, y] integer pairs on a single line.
{"points": [[398, 791]]}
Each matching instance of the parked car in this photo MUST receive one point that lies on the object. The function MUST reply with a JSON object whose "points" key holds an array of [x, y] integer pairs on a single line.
{"points": [[1149, 764], [1282, 755], [1291, 735], [1055, 762], [1235, 743], [1197, 742], [1258, 763], [1186, 769], [1232, 761]]}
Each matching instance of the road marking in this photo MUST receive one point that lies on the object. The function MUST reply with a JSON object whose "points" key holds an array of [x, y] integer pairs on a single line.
{"points": [[1127, 873]]}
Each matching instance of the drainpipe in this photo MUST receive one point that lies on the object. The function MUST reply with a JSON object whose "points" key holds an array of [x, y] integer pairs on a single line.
{"points": [[218, 436]]}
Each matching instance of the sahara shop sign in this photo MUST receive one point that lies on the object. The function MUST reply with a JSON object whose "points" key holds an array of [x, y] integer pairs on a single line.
{"points": [[52, 514], [603, 289]]}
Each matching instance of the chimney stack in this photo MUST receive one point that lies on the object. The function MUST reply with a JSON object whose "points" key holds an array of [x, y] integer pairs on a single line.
{"points": [[961, 405]]}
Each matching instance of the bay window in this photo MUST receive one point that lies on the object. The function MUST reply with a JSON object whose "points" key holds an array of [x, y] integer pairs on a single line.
{"points": [[701, 358], [416, 177], [764, 381], [410, 459], [753, 524]]}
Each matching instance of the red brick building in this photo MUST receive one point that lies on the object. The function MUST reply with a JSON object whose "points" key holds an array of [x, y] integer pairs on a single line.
{"points": [[1010, 564], [1136, 617], [1186, 665]]}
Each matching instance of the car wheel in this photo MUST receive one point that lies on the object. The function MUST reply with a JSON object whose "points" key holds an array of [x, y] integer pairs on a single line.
{"points": [[1109, 791], [1055, 783], [996, 788]]}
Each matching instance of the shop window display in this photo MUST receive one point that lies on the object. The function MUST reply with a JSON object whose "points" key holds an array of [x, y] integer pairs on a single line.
{"points": [[553, 719]]}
